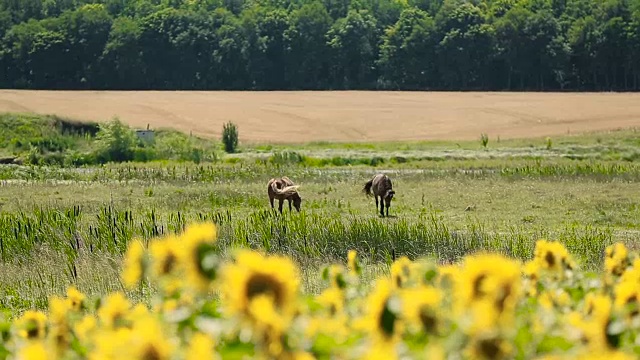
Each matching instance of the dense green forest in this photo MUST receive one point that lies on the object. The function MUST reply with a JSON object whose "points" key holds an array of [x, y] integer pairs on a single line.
{"points": [[320, 44]]}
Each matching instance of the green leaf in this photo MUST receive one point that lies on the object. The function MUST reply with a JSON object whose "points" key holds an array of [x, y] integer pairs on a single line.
{"points": [[551, 343]]}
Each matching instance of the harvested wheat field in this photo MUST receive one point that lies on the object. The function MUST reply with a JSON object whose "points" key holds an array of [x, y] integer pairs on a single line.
{"points": [[303, 116]]}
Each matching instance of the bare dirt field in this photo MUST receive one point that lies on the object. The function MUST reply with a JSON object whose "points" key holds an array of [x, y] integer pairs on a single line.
{"points": [[303, 116]]}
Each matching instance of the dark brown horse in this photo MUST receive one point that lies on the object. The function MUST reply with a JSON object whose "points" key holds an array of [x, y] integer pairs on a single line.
{"points": [[284, 189], [381, 186]]}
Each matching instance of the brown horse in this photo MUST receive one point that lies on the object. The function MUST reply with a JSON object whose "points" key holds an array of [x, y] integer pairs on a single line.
{"points": [[283, 189], [381, 186]]}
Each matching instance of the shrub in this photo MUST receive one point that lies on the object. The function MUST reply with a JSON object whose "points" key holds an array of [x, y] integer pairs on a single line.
{"points": [[230, 137], [115, 142], [484, 140]]}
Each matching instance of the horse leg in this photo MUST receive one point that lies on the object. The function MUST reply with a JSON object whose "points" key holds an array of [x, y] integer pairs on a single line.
{"points": [[271, 201], [387, 210], [280, 205], [376, 197]]}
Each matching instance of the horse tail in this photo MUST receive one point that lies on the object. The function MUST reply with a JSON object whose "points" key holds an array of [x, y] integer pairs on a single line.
{"points": [[287, 191], [367, 187], [286, 181]]}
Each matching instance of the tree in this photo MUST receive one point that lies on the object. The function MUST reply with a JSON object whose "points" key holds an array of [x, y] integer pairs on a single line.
{"points": [[87, 30], [513, 44], [407, 53], [466, 49], [121, 65], [307, 49], [272, 34], [353, 43]]}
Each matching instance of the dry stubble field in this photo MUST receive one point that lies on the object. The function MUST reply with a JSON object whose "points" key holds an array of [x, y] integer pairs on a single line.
{"points": [[304, 116]]}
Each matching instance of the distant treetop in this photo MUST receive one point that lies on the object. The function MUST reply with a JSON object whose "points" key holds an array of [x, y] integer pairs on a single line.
{"points": [[541, 45]]}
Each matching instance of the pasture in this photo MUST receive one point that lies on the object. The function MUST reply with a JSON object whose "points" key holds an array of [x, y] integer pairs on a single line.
{"points": [[68, 225]]}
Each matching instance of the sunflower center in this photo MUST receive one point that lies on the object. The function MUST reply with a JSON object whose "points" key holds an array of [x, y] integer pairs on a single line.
{"points": [[398, 281], [260, 284], [502, 298], [490, 348], [151, 353], [33, 332], [550, 259], [387, 320], [168, 263], [477, 285], [428, 320]]}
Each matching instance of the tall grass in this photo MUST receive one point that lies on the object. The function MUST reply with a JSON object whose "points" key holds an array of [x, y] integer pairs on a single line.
{"points": [[262, 171], [307, 237]]}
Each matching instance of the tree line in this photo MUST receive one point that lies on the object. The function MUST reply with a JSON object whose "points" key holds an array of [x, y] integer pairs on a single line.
{"points": [[539, 45]]}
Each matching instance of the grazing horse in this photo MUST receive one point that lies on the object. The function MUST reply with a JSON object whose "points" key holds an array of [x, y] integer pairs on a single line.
{"points": [[381, 186], [283, 189]]}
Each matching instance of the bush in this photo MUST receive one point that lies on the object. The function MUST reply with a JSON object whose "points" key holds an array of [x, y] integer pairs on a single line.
{"points": [[230, 137], [115, 142], [484, 140]]}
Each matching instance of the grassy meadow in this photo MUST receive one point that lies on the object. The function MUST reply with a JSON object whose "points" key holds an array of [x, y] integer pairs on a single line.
{"points": [[65, 223]]}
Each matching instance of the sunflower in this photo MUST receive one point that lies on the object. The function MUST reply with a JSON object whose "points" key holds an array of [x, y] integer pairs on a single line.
{"points": [[598, 307], [148, 340], [531, 271], [554, 299], [632, 274], [201, 347], [110, 344], [269, 324], [335, 275], [164, 257], [586, 331], [112, 313], [197, 255], [489, 277], [353, 263], [489, 346], [627, 298], [382, 351], [553, 256], [604, 354], [84, 328], [482, 316], [420, 307], [32, 325], [334, 326], [60, 328], [75, 299], [35, 350], [58, 310], [447, 275], [382, 318], [139, 311], [401, 271], [333, 300], [252, 275], [134, 264], [616, 259]]}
